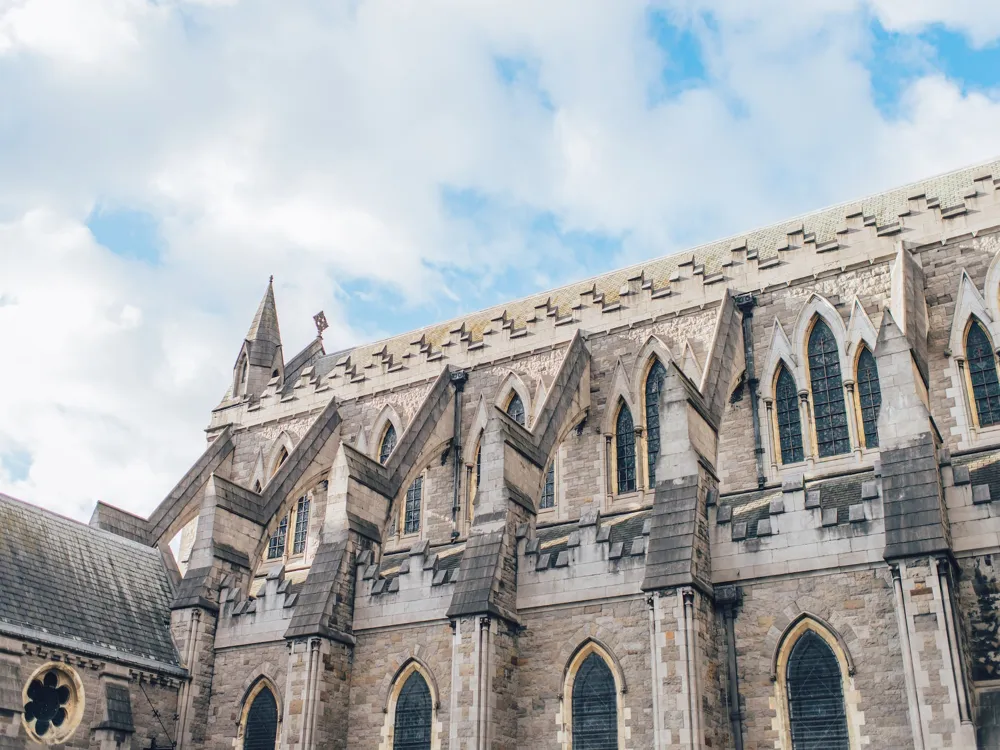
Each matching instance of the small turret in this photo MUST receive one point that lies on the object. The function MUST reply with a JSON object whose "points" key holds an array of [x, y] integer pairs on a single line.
{"points": [[261, 357]]}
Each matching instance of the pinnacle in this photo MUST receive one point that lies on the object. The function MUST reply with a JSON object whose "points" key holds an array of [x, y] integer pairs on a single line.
{"points": [[265, 322]]}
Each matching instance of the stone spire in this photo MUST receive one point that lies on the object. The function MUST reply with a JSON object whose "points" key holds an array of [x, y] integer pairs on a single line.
{"points": [[261, 356]]}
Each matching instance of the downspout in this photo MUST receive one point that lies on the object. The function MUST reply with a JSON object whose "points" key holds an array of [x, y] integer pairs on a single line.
{"points": [[746, 303], [729, 598], [916, 722], [458, 379]]}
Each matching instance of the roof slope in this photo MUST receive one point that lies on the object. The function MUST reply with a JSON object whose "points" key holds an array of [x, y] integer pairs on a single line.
{"points": [[63, 579]]}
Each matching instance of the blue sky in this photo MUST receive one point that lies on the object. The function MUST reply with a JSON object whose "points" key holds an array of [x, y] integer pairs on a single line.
{"points": [[397, 164]]}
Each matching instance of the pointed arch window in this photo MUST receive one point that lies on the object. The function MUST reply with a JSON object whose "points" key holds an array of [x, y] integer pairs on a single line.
{"points": [[276, 547], [411, 510], [869, 396], [515, 409], [549, 488], [625, 450], [301, 526], [281, 458], [261, 731], [388, 443], [654, 384], [983, 375], [242, 372], [829, 411], [786, 399], [816, 696], [412, 723], [475, 473], [595, 706]]}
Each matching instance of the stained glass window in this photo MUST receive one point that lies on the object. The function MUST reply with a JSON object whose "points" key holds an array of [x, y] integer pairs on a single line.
{"points": [[388, 443], [549, 488], [595, 706], [786, 399], [983, 374], [654, 382], [411, 513], [412, 727], [301, 526], [262, 722], [829, 411], [869, 396], [625, 450], [816, 696], [515, 409], [276, 547]]}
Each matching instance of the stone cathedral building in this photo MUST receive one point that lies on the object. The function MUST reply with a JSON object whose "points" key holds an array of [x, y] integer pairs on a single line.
{"points": [[737, 498]]}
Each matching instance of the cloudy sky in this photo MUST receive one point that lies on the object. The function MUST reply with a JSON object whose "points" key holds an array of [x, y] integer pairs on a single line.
{"points": [[396, 162]]}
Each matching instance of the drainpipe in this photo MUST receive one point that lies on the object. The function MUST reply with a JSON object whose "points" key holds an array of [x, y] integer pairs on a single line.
{"points": [[458, 379], [729, 598], [746, 303]]}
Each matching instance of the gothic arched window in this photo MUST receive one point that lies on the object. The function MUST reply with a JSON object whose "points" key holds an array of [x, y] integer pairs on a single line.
{"points": [[280, 459], [301, 526], [261, 731], [869, 396], [983, 375], [829, 412], [625, 450], [388, 443], [412, 725], [595, 706], [654, 382], [786, 399], [411, 511], [816, 696], [549, 488], [276, 547], [515, 409], [475, 472]]}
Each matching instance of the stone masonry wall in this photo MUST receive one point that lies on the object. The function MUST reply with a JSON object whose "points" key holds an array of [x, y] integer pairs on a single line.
{"points": [[236, 670]]}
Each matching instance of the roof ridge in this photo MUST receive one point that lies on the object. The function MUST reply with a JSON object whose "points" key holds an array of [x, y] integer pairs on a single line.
{"points": [[72, 522]]}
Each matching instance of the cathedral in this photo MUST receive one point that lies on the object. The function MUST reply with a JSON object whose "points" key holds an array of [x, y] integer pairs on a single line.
{"points": [[736, 498]]}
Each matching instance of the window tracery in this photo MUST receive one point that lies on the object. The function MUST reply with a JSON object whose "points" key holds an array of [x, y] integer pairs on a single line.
{"points": [[829, 411], [414, 715], [515, 409], [53, 701], [388, 443], [982, 365], [260, 730], [594, 706], [548, 499], [625, 450], [654, 384], [869, 396], [411, 509], [301, 526], [816, 711], [786, 398], [276, 546]]}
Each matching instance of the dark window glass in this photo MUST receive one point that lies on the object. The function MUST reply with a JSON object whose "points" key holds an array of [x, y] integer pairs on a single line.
{"points": [[549, 489], [479, 464], [412, 729], [983, 373], [654, 382], [869, 396], [282, 457], [625, 449], [786, 399], [515, 409], [47, 701], [816, 696], [414, 496], [262, 722], [276, 547], [829, 411], [595, 706], [301, 526], [388, 443]]}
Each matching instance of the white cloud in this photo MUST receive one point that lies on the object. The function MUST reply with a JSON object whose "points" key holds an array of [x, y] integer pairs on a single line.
{"points": [[312, 141], [979, 19]]}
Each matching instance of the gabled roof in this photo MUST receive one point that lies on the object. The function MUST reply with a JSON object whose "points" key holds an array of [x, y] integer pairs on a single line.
{"points": [[83, 588]]}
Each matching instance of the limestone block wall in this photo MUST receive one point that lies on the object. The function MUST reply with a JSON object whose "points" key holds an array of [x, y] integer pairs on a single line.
{"points": [[546, 647], [378, 657], [236, 671], [859, 606]]}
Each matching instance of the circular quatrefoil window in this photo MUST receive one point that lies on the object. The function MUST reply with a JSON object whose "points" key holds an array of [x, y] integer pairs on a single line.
{"points": [[53, 704]]}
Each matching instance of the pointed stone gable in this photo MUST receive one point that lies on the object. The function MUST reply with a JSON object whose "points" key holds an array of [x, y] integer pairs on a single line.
{"points": [[264, 336]]}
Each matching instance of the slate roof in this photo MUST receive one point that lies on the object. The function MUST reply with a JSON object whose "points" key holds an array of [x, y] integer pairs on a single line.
{"points": [[66, 583], [751, 507], [624, 528], [983, 469], [840, 493]]}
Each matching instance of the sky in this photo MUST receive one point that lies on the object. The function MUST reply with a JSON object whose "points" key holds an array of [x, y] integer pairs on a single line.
{"points": [[398, 162]]}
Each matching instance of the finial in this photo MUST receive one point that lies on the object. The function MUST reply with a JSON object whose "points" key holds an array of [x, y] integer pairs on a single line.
{"points": [[321, 325], [271, 280]]}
